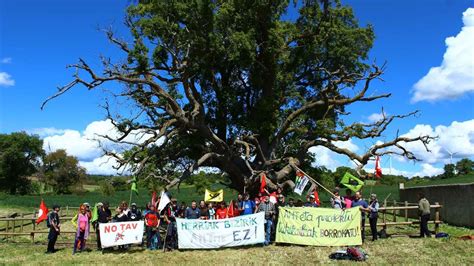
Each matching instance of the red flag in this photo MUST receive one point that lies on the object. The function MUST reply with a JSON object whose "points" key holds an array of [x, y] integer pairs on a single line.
{"points": [[378, 170], [263, 182], [42, 213], [153, 199], [230, 209], [316, 197]]}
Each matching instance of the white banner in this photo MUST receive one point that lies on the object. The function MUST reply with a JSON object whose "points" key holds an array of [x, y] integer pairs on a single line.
{"points": [[237, 231], [115, 234]]}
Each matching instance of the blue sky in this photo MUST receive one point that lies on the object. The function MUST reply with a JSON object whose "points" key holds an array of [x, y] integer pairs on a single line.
{"points": [[39, 38]]}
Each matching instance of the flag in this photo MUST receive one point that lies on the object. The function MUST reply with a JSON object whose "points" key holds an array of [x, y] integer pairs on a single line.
{"points": [[95, 213], [378, 169], [42, 213], [164, 200], [316, 197], [263, 182], [134, 185], [352, 182], [153, 199], [300, 182], [216, 196], [230, 209]]}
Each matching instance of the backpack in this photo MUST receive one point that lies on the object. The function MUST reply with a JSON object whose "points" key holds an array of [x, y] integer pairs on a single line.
{"points": [[442, 235], [357, 254], [48, 221]]}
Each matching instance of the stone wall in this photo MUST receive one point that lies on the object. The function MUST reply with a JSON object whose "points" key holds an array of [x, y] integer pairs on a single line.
{"points": [[457, 201]]}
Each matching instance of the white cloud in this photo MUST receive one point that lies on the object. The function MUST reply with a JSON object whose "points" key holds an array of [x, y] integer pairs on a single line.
{"points": [[6, 60], [429, 170], [87, 145], [6, 80], [455, 76], [375, 117], [46, 131], [457, 138], [330, 159]]}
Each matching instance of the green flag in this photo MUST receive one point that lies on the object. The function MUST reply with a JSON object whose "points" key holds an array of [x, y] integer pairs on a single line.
{"points": [[134, 185], [95, 213], [351, 182]]}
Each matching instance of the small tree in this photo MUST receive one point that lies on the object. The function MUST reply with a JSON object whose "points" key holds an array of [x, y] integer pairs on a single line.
{"points": [[61, 171], [449, 170], [19, 157], [464, 166]]}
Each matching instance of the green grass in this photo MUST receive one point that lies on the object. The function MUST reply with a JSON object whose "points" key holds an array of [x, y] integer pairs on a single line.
{"points": [[386, 251], [455, 180]]}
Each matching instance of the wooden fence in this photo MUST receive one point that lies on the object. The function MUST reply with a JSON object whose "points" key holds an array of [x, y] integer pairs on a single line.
{"points": [[398, 216]]}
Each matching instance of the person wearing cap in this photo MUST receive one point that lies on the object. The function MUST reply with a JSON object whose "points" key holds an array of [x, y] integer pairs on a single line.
{"points": [[310, 201], [134, 214], [337, 202], [54, 228], [373, 215], [104, 215]]}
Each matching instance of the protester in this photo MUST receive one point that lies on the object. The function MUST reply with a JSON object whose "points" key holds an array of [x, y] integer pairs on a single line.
{"points": [[82, 232], [88, 210], [212, 211], [337, 202], [269, 209], [192, 212], [373, 215], [233, 209], [104, 216], [134, 214], [240, 199], [171, 212], [310, 201], [348, 199], [291, 202], [364, 207], [182, 210], [221, 212], [54, 225], [152, 223], [247, 206], [203, 211], [424, 212]]}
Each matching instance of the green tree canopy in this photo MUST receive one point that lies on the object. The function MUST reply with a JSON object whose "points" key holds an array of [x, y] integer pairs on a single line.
{"points": [[62, 171], [19, 158], [464, 166], [449, 171], [237, 86]]}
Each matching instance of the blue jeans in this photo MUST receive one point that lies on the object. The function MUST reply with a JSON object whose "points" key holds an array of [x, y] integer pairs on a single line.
{"points": [[268, 231]]}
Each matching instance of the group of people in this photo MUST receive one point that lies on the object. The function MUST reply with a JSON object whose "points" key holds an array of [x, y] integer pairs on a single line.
{"points": [[164, 221]]}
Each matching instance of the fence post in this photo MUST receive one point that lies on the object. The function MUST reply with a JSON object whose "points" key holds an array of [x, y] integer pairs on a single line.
{"points": [[437, 218], [13, 228], [67, 211], [394, 211], [383, 217], [33, 222], [6, 229], [22, 222], [406, 211]]}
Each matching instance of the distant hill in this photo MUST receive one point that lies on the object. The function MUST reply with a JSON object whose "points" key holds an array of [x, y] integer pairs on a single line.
{"points": [[462, 179]]}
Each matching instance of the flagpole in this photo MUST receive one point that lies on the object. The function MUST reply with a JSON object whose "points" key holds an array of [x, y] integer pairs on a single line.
{"points": [[130, 200], [313, 180]]}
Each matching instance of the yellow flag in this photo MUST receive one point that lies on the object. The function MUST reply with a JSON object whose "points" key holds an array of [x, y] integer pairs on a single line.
{"points": [[214, 196]]}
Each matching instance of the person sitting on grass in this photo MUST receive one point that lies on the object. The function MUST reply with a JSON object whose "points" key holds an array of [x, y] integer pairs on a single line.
{"points": [[54, 228], [82, 232], [152, 234]]}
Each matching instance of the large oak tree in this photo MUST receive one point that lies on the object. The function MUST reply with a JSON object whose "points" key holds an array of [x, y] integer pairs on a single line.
{"points": [[241, 86]]}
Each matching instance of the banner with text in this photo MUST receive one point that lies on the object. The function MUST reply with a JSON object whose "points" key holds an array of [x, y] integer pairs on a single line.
{"points": [[115, 234], [237, 231], [319, 226]]}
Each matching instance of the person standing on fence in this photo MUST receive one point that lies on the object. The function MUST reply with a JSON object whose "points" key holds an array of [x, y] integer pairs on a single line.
{"points": [[364, 207], [82, 232], [269, 209], [54, 226], [424, 212], [104, 216], [373, 215]]}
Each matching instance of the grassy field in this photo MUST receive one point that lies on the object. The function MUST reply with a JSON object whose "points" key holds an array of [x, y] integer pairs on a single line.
{"points": [[455, 180], [387, 251]]}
